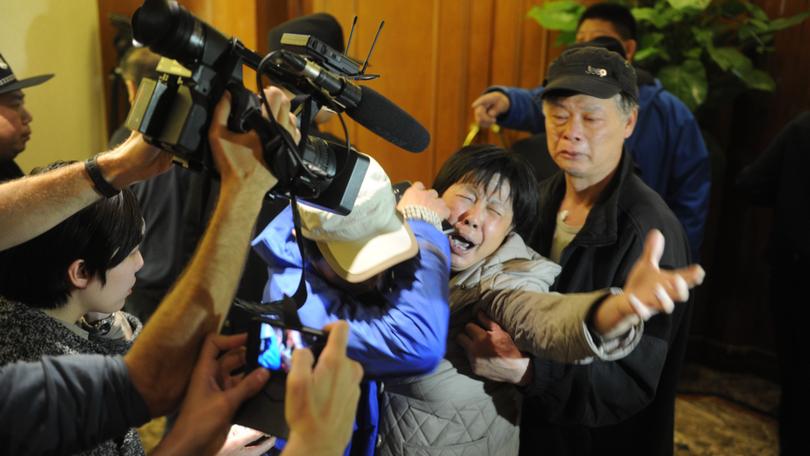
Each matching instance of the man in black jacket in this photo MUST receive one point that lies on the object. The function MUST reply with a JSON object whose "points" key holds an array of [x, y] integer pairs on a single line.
{"points": [[778, 179], [595, 215]]}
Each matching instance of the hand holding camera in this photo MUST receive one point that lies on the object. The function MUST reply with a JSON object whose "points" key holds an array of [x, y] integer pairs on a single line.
{"points": [[326, 394], [238, 156]]}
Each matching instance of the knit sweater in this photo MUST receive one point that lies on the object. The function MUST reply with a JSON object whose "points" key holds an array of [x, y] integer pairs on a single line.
{"points": [[27, 333]]}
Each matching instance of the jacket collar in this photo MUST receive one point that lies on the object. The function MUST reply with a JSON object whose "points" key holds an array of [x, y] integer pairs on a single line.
{"points": [[512, 248], [601, 225]]}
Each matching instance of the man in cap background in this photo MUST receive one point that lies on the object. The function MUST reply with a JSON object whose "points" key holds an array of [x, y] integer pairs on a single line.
{"points": [[15, 120], [667, 145], [384, 268], [595, 214]]}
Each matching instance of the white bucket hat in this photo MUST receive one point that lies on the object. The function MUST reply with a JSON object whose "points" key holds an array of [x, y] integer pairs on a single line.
{"points": [[371, 239]]}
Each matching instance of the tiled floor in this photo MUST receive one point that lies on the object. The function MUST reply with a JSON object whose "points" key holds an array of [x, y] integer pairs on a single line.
{"points": [[725, 414], [718, 414]]}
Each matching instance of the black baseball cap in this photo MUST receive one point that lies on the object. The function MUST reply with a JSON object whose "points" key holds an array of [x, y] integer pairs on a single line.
{"points": [[591, 70], [9, 82]]}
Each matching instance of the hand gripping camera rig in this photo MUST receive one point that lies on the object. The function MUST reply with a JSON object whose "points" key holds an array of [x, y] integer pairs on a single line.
{"points": [[174, 111]]}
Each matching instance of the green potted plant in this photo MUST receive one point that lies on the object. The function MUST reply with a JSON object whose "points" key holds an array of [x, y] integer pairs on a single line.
{"points": [[701, 50]]}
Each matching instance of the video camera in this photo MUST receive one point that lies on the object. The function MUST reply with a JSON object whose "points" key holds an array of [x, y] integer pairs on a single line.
{"points": [[174, 111]]}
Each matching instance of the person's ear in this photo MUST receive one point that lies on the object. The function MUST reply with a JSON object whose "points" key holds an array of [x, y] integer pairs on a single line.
{"points": [[630, 48], [630, 125], [77, 274]]}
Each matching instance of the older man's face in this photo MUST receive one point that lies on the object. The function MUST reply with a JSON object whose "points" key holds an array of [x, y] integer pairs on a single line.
{"points": [[585, 135], [15, 129]]}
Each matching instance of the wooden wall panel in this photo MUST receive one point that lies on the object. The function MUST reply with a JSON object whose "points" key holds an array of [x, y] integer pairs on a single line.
{"points": [[109, 58], [436, 57]]}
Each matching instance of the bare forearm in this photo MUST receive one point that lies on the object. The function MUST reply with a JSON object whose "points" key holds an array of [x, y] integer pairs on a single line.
{"points": [[162, 358], [32, 205]]}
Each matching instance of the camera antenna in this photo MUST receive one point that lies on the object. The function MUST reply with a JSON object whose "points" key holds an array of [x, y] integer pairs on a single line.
{"points": [[351, 34], [362, 74]]}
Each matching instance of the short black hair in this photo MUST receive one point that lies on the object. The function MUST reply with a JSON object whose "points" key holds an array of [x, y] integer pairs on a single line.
{"points": [[478, 164], [102, 234], [618, 15]]}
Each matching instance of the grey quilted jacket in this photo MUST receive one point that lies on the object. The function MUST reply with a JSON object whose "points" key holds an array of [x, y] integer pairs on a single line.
{"points": [[452, 411]]}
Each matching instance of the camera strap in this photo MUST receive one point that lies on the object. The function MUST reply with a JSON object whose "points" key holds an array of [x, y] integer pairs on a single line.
{"points": [[290, 305]]}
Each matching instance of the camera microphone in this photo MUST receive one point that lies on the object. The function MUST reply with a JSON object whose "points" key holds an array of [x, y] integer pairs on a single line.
{"points": [[341, 89], [389, 121], [363, 104]]}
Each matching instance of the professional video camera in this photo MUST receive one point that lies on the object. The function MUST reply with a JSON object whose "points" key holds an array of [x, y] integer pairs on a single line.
{"points": [[174, 112]]}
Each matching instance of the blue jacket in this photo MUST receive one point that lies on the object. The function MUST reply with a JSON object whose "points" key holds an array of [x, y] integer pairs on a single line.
{"points": [[666, 145], [403, 335]]}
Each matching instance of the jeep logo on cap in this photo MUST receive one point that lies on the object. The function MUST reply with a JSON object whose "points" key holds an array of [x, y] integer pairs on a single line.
{"points": [[601, 72]]}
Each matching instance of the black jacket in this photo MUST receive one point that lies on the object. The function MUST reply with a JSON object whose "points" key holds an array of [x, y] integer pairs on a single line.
{"points": [[778, 179], [609, 407]]}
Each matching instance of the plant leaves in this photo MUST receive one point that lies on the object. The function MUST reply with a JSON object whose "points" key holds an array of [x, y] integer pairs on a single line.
{"points": [[729, 58], [649, 47], [756, 79], [650, 15], [756, 11], [557, 15], [703, 36], [686, 81], [787, 22], [698, 5], [731, 8], [693, 53], [566, 38]]}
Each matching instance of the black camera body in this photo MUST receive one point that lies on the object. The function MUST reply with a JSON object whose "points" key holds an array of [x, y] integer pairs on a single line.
{"points": [[174, 112]]}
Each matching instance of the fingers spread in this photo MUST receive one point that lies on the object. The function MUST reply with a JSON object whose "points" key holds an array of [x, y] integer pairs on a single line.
{"points": [[641, 310], [664, 299], [653, 247]]}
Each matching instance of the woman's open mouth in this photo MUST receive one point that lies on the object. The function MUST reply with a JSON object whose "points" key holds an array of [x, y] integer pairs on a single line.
{"points": [[459, 244]]}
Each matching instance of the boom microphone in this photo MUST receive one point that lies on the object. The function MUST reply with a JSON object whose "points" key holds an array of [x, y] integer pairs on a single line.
{"points": [[363, 104], [389, 121]]}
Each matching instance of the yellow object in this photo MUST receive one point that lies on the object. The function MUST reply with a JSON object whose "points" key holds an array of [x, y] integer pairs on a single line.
{"points": [[472, 133]]}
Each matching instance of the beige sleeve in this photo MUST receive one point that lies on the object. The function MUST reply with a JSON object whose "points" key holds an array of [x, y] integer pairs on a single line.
{"points": [[548, 325]]}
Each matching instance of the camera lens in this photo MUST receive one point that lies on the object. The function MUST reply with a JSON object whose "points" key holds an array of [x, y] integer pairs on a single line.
{"points": [[171, 31]]}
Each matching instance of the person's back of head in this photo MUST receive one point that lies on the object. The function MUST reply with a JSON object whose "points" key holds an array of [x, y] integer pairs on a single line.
{"points": [[478, 164], [618, 15], [136, 64], [100, 237]]}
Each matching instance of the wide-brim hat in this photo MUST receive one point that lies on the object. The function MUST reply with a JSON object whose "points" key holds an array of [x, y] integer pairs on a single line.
{"points": [[593, 71], [9, 82], [371, 239]]}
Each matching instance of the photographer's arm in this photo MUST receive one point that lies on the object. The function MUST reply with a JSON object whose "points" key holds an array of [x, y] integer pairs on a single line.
{"points": [[29, 206], [161, 359]]}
